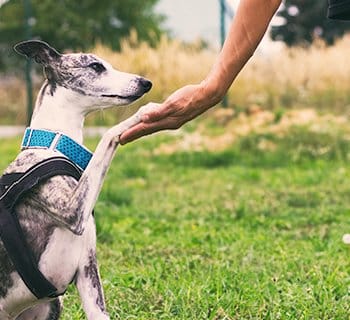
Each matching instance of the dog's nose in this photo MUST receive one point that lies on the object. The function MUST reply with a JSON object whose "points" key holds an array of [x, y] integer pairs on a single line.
{"points": [[146, 84]]}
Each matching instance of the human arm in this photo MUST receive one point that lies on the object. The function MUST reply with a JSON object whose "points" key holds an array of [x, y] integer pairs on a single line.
{"points": [[246, 31]]}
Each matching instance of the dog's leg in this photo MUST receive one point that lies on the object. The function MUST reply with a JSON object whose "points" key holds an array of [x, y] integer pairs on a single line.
{"points": [[92, 179], [88, 279], [74, 208], [43, 311]]}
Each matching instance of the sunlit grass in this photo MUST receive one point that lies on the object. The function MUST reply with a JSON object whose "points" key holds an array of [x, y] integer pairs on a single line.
{"points": [[241, 233]]}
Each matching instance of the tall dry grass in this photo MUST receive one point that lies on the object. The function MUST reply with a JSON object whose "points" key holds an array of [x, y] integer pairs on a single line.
{"points": [[12, 100], [317, 77], [169, 66]]}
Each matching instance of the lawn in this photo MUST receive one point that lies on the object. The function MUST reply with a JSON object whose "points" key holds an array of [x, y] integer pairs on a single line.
{"points": [[241, 233]]}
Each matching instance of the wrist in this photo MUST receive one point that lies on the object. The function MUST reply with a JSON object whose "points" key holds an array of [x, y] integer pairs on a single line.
{"points": [[212, 92]]}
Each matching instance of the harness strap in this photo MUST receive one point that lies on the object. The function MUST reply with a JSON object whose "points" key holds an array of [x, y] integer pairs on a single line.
{"points": [[11, 232], [8, 179]]}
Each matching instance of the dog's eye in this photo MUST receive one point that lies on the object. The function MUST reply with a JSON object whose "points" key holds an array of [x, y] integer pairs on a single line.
{"points": [[98, 67]]}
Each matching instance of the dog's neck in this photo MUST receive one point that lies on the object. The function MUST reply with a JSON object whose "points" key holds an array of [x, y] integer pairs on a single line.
{"points": [[59, 110]]}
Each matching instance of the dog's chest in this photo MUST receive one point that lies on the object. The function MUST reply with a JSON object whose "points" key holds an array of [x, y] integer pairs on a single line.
{"points": [[34, 211], [50, 242]]}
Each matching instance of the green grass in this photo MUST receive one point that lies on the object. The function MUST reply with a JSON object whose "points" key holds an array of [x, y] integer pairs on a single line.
{"points": [[237, 234]]}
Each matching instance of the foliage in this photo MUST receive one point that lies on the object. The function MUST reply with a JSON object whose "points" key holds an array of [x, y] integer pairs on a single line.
{"points": [[306, 21], [240, 234], [79, 25]]}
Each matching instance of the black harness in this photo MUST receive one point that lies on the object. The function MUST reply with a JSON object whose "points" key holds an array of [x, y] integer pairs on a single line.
{"points": [[12, 187]]}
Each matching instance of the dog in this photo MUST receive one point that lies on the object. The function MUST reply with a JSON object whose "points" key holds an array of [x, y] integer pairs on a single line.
{"points": [[56, 216]]}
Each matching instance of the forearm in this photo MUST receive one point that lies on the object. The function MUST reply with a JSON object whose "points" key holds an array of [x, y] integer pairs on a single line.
{"points": [[246, 31]]}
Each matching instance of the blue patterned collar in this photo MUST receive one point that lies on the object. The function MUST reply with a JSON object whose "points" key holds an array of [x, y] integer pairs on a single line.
{"points": [[57, 141]]}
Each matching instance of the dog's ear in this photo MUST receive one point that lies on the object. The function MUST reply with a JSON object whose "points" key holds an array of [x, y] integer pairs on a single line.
{"points": [[40, 51]]}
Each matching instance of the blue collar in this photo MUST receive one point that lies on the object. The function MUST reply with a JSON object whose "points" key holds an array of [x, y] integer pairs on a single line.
{"points": [[57, 141]]}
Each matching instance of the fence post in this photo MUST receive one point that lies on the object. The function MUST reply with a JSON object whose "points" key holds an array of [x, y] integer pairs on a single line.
{"points": [[222, 22], [28, 76], [223, 37]]}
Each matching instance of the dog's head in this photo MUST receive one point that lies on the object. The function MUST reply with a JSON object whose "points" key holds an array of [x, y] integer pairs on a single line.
{"points": [[85, 74]]}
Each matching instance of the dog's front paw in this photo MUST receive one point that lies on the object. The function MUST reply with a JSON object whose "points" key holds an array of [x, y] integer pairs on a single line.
{"points": [[120, 128]]}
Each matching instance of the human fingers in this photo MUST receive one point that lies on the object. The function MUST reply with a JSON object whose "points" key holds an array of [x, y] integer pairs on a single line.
{"points": [[144, 128], [133, 133], [150, 115]]}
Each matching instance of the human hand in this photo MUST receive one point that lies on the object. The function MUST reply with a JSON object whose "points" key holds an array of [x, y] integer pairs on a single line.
{"points": [[183, 105]]}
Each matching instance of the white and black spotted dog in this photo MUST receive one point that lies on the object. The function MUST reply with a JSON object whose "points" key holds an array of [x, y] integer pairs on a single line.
{"points": [[56, 216]]}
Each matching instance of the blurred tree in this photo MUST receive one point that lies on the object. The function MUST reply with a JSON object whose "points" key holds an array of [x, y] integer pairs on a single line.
{"points": [[79, 25], [305, 21]]}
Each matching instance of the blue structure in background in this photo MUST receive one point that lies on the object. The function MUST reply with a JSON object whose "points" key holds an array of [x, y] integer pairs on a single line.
{"points": [[225, 10]]}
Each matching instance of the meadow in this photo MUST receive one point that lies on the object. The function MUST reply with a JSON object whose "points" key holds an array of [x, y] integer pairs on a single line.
{"points": [[239, 214], [251, 231]]}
